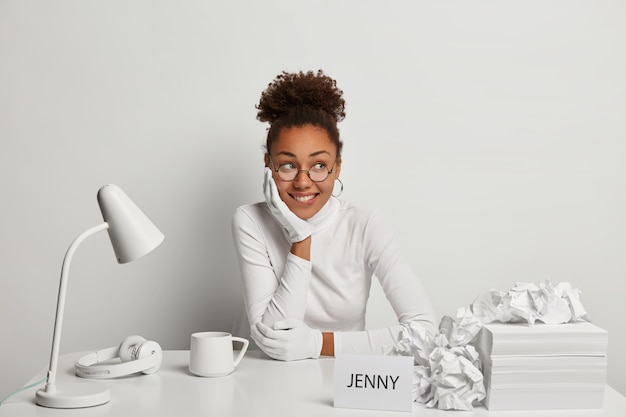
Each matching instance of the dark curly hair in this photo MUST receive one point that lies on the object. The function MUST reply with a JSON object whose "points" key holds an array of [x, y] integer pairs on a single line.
{"points": [[298, 99]]}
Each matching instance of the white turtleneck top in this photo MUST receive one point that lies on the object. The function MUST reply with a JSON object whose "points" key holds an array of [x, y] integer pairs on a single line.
{"points": [[350, 244]]}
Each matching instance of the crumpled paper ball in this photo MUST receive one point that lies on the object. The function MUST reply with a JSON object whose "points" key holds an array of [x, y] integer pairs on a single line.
{"points": [[459, 382], [527, 302], [447, 371], [445, 376]]}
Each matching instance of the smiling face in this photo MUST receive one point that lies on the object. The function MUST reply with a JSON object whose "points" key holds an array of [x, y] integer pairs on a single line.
{"points": [[304, 147]]}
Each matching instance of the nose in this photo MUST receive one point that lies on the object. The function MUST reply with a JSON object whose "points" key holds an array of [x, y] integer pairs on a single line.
{"points": [[302, 179]]}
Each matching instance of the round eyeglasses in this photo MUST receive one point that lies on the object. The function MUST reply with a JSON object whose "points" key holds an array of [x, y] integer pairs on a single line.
{"points": [[289, 171]]}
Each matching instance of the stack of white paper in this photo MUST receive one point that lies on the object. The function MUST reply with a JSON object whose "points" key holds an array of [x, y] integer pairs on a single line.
{"points": [[541, 366]]}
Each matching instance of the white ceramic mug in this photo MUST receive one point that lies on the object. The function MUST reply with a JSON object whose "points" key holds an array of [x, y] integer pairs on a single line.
{"points": [[211, 353]]}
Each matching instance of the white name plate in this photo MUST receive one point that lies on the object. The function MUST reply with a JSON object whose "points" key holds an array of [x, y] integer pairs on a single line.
{"points": [[374, 382]]}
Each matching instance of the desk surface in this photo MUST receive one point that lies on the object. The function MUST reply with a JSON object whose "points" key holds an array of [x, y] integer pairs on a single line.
{"points": [[258, 387]]}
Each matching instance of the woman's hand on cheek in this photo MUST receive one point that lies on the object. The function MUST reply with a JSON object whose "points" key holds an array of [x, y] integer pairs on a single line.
{"points": [[297, 229]]}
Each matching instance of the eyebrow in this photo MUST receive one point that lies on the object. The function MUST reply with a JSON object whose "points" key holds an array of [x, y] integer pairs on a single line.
{"points": [[317, 153]]}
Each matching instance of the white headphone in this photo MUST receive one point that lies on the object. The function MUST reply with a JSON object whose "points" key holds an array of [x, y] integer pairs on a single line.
{"points": [[136, 353]]}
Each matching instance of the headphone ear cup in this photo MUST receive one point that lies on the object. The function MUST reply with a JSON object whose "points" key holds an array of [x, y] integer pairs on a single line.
{"points": [[146, 350], [129, 346]]}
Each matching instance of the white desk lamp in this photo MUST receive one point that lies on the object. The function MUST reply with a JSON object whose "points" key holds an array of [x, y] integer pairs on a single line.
{"points": [[132, 235]]}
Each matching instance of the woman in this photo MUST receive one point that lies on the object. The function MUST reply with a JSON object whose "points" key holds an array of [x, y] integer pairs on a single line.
{"points": [[306, 257]]}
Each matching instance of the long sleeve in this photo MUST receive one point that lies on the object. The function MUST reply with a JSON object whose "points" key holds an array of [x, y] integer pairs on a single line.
{"points": [[401, 286], [275, 281]]}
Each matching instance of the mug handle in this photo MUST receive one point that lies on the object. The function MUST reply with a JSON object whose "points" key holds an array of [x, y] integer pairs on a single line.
{"points": [[245, 343]]}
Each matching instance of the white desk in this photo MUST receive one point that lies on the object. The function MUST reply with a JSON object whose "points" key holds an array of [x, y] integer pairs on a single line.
{"points": [[258, 387]]}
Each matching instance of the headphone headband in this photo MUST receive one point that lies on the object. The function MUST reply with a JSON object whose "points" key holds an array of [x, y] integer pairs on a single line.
{"points": [[91, 366]]}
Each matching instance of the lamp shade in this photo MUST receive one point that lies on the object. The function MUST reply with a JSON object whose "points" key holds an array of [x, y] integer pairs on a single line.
{"points": [[132, 233]]}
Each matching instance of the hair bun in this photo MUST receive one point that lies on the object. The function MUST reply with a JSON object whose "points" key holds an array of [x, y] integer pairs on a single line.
{"points": [[292, 91]]}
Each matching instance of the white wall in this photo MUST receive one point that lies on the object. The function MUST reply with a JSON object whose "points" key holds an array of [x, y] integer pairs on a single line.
{"points": [[491, 133]]}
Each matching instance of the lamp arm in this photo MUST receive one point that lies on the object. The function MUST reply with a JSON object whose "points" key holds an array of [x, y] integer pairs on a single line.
{"points": [[58, 321]]}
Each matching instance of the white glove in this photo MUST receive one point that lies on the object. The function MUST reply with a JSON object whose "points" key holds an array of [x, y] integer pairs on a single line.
{"points": [[297, 228], [289, 340]]}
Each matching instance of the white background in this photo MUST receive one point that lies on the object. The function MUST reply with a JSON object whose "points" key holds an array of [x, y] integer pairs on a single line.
{"points": [[492, 134]]}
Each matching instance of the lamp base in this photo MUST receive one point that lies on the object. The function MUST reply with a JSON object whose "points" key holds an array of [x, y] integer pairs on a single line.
{"points": [[74, 396]]}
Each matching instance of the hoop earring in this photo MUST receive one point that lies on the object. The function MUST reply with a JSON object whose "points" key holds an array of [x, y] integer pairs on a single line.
{"points": [[341, 190]]}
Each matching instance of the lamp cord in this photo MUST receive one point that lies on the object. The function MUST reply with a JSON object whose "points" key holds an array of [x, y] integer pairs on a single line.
{"points": [[41, 381]]}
